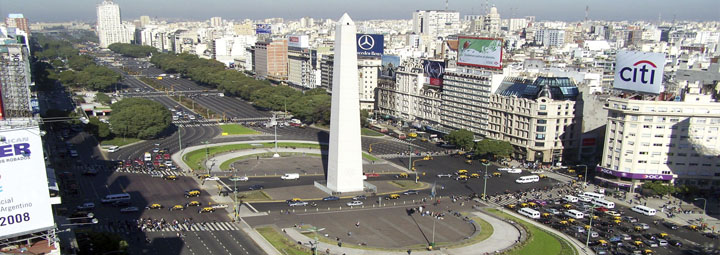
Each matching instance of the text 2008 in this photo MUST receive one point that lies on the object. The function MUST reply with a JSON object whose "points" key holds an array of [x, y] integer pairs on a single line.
{"points": [[13, 219]]}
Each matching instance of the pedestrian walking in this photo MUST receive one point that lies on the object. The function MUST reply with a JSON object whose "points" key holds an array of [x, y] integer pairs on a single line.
{"points": [[357, 224]]}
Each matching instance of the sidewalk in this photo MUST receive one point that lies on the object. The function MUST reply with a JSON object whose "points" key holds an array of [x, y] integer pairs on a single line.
{"points": [[503, 237]]}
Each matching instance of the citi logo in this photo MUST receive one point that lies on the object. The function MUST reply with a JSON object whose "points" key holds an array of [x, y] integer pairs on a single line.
{"points": [[631, 74]]}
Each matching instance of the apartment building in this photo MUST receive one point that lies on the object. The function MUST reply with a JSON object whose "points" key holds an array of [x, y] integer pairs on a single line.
{"points": [[407, 97]]}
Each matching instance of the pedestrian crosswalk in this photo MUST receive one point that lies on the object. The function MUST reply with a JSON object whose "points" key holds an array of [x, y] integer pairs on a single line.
{"points": [[158, 172], [195, 227], [195, 123]]}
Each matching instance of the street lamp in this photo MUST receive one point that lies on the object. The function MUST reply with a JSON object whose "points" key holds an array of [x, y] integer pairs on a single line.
{"points": [[704, 204], [486, 164], [587, 241], [585, 176], [207, 155], [274, 123]]}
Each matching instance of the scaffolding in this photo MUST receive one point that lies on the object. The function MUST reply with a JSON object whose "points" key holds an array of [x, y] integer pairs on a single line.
{"points": [[14, 80]]}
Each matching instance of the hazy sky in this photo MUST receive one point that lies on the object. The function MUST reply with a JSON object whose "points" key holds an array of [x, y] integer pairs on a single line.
{"points": [[566, 10]]}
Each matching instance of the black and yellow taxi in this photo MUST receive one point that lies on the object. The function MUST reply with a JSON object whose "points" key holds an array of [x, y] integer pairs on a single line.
{"points": [[192, 193], [462, 172], [474, 175], [428, 158], [193, 203], [567, 206], [392, 196], [462, 177], [401, 175], [496, 174], [542, 176], [648, 252], [170, 177], [207, 210], [511, 206], [469, 162], [177, 207], [203, 176], [154, 206], [571, 220]]}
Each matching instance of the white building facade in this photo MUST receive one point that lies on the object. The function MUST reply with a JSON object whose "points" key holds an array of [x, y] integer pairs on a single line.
{"points": [[109, 25]]}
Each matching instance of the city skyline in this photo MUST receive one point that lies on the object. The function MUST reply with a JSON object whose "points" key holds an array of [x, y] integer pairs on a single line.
{"points": [[553, 10]]}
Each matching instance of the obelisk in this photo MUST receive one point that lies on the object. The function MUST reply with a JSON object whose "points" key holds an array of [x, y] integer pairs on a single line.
{"points": [[345, 156]]}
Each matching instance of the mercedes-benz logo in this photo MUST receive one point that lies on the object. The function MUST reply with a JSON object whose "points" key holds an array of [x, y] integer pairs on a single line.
{"points": [[366, 42]]}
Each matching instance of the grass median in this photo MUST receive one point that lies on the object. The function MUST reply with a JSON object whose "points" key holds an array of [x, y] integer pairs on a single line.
{"points": [[538, 239], [282, 243], [235, 129], [370, 132], [195, 158]]}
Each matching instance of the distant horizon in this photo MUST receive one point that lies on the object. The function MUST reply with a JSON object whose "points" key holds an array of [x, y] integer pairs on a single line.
{"points": [[191, 10]]}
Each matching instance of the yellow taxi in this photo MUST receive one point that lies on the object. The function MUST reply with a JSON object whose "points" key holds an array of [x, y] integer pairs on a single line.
{"points": [[496, 174], [428, 158], [154, 206], [192, 193], [294, 200], [177, 207], [648, 252], [462, 172], [571, 170], [567, 206], [663, 235], [474, 175], [563, 222], [617, 222], [203, 176], [424, 139], [532, 204], [469, 162], [637, 243], [462, 177], [546, 215], [511, 206], [401, 175], [587, 226], [170, 177], [595, 217], [484, 161], [206, 210], [392, 196], [193, 203], [523, 204], [602, 242], [571, 220], [542, 176]]}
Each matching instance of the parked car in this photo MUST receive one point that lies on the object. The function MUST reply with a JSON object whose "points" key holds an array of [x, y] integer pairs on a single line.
{"points": [[360, 197], [86, 206], [671, 225], [410, 192], [444, 175], [129, 209], [256, 187]]}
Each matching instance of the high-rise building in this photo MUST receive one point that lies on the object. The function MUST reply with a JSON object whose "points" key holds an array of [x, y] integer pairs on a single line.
{"points": [[14, 79], [368, 68], [465, 95], [550, 37], [302, 62], [669, 141], [216, 22], [109, 25], [407, 97], [144, 21], [436, 23], [271, 59], [19, 21]]}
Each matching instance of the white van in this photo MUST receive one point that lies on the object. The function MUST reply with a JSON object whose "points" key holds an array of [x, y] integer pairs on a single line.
{"points": [[594, 195], [148, 156], [290, 176], [113, 149], [644, 210], [585, 198], [603, 203], [115, 197], [530, 213], [528, 179], [571, 198], [574, 214]]}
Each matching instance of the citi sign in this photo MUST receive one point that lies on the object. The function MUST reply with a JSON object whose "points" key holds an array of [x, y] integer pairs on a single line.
{"points": [[639, 71], [633, 73]]}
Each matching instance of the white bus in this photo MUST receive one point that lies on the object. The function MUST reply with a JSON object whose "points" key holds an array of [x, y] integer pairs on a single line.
{"points": [[571, 198], [644, 210], [115, 197], [603, 203], [530, 213], [528, 179], [593, 195], [575, 214]]}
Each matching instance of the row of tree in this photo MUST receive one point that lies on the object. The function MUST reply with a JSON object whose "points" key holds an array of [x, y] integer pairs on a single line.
{"points": [[132, 50], [57, 60], [139, 117], [465, 140], [312, 106]]}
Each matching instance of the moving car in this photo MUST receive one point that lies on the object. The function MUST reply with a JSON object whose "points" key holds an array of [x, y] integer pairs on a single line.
{"points": [[129, 209], [193, 203], [239, 179], [212, 178], [298, 203], [410, 192], [177, 207], [372, 175], [444, 175], [354, 203], [113, 149], [359, 197], [256, 187], [86, 206], [154, 206], [207, 209], [192, 193], [291, 176], [331, 198], [515, 171], [170, 177], [392, 196]]}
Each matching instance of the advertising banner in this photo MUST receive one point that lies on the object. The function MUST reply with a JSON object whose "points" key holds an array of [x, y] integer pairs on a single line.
{"points": [[390, 64], [370, 44], [664, 177], [480, 52], [434, 71], [639, 71], [263, 29], [299, 41], [24, 193]]}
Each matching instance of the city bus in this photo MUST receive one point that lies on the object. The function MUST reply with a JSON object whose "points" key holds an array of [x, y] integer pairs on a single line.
{"points": [[378, 128], [399, 135]]}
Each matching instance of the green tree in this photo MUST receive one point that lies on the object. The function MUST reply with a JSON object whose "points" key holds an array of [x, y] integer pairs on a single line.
{"points": [[139, 117], [98, 128], [132, 50], [493, 148], [102, 98], [364, 115], [659, 188], [461, 138]]}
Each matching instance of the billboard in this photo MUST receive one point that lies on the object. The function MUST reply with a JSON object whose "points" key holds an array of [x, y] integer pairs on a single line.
{"points": [[299, 41], [24, 193], [639, 71], [480, 52], [263, 29], [370, 44], [390, 64], [433, 71]]}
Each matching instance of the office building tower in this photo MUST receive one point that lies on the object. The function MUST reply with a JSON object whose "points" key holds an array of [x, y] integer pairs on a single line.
{"points": [[14, 79], [436, 23], [19, 21], [271, 59]]}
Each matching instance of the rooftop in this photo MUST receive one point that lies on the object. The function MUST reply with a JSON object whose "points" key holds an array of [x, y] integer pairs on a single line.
{"points": [[557, 88]]}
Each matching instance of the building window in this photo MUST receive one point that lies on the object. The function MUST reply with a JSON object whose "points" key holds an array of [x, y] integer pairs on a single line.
{"points": [[538, 144], [541, 121], [543, 107], [540, 129]]}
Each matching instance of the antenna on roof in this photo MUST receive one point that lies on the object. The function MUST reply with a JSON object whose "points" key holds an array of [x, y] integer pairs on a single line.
{"points": [[587, 12], [446, 5]]}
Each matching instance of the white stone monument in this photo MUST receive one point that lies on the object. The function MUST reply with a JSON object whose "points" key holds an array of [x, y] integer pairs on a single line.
{"points": [[345, 155]]}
